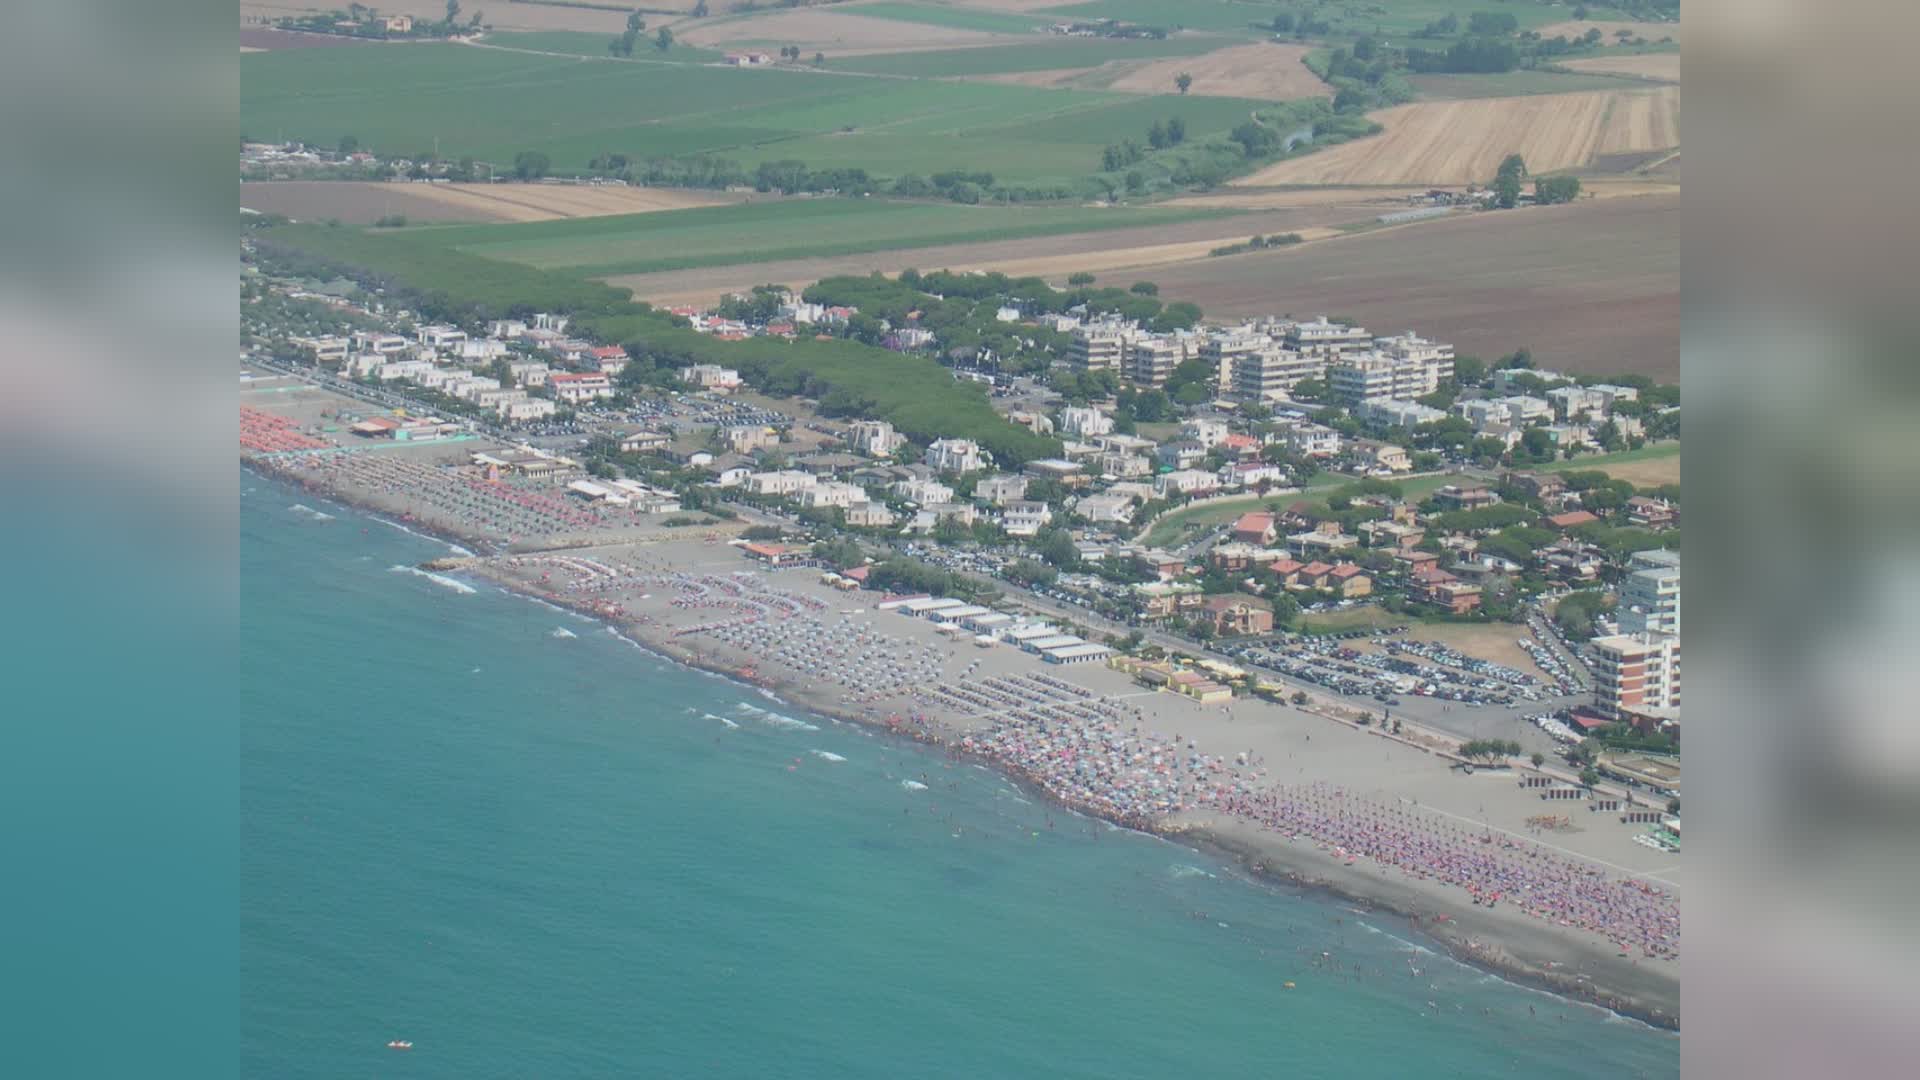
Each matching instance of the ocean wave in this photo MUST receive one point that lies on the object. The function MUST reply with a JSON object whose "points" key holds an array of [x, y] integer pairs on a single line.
{"points": [[309, 512], [785, 723], [913, 785], [561, 632], [826, 755], [722, 719], [438, 579], [1181, 870]]}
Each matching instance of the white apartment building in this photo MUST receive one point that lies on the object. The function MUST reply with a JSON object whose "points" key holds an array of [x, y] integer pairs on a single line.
{"points": [[870, 515], [1270, 374], [331, 350], [1085, 422], [440, 336], [957, 455], [1313, 440], [582, 386], [1650, 596], [1571, 401], [1024, 517], [1411, 346], [831, 493], [782, 482], [529, 409], [923, 492], [1328, 340], [1150, 361], [1099, 347], [875, 438], [1398, 412], [529, 372], [713, 377], [403, 369], [1358, 376], [384, 344], [1636, 673]]}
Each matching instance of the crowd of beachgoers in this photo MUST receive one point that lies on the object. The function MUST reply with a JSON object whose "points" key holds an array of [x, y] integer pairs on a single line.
{"points": [[461, 499], [1095, 752], [1491, 867]]}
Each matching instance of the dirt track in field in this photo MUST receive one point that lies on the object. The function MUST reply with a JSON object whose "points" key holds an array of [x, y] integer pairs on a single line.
{"points": [[1047, 256], [1462, 142], [1590, 287], [836, 33], [1662, 66], [362, 203]]}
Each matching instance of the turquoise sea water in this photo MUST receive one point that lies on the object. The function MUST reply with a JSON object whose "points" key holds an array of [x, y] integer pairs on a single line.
{"points": [[546, 854]]}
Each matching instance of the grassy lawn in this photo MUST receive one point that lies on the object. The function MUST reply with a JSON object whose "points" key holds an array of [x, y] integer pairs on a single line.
{"points": [[770, 230], [1359, 617], [491, 104], [1178, 525]]}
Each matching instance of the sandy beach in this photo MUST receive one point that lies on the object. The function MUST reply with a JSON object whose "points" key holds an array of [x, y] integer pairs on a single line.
{"points": [[1605, 928]]}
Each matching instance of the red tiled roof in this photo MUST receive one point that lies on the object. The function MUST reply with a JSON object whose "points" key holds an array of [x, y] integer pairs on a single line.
{"points": [[1571, 518], [1346, 570]]}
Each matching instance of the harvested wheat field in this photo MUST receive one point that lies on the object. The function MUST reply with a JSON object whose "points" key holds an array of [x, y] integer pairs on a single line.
{"points": [[1463, 142], [1266, 71], [1377, 200], [835, 33], [1662, 66], [362, 203], [1590, 287]]}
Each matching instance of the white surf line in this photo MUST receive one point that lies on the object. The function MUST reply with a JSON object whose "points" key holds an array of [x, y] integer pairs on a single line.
{"points": [[1542, 843]]}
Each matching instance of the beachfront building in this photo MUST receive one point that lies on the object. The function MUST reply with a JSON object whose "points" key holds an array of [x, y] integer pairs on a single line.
{"points": [[957, 455], [829, 493], [574, 388], [1650, 596], [784, 483], [1636, 675]]}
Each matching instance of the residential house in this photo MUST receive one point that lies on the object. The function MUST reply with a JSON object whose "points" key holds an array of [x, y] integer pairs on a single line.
{"points": [[875, 438], [1570, 520], [829, 493], [870, 515], [783, 482], [1162, 564], [1376, 458], [1323, 539], [1235, 614], [1000, 489], [746, 438], [1185, 482], [1458, 497], [1165, 599], [1181, 454], [1085, 422], [1255, 528], [923, 492], [1106, 509], [957, 455], [644, 442], [1350, 581], [1651, 513]]}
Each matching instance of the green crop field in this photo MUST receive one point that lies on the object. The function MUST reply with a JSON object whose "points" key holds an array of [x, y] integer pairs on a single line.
{"points": [[935, 14], [491, 104], [1045, 55], [728, 235], [580, 43], [1393, 18]]}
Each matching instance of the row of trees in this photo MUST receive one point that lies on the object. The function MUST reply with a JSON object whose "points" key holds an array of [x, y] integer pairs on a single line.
{"points": [[636, 25]]}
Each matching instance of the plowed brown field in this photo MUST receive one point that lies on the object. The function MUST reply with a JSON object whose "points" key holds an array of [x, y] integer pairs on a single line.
{"points": [[1463, 142], [1662, 66], [1247, 71]]}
